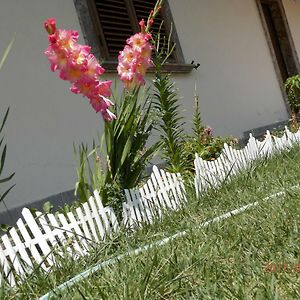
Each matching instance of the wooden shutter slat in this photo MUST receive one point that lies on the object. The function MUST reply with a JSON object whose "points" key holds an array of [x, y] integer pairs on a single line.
{"points": [[116, 25], [117, 20]]}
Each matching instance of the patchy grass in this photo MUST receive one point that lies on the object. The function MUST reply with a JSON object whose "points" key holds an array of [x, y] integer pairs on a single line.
{"points": [[254, 255]]}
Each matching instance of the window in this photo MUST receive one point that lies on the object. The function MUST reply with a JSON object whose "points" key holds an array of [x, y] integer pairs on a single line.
{"points": [[280, 38], [107, 24]]}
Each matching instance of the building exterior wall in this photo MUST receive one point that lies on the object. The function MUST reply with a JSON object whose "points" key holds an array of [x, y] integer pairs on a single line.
{"points": [[236, 83], [292, 10]]}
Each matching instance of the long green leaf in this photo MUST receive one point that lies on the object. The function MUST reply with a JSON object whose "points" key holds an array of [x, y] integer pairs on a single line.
{"points": [[7, 178], [4, 120], [6, 52], [126, 151], [2, 159], [4, 194]]}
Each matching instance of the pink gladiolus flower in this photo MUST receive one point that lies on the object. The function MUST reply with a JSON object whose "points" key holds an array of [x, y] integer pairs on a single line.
{"points": [[138, 41], [72, 72], [58, 60], [77, 65], [100, 103], [104, 88], [93, 67], [135, 58], [85, 87], [108, 115]]}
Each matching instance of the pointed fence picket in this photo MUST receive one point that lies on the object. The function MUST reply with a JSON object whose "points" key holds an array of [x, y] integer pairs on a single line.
{"points": [[211, 174], [163, 191]]}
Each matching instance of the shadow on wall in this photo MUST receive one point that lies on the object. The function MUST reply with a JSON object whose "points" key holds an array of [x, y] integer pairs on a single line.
{"points": [[57, 201]]}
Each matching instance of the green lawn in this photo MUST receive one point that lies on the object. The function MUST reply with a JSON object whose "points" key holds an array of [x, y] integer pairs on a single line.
{"points": [[254, 255]]}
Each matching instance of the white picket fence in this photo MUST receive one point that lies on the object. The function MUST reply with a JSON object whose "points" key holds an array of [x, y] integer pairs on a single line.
{"points": [[163, 191], [38, 238], [210, 174], [33, 241]]}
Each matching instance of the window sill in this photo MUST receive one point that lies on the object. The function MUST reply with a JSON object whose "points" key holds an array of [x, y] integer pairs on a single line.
{"points": [[111, 67]]}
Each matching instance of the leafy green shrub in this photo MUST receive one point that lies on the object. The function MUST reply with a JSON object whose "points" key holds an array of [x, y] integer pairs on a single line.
{"points": [[208, 147], [202, 142], [292, 87]]}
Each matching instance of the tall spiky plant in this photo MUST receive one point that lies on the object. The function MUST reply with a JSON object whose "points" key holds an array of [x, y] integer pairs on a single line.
{"points": [[168, 106], [170, 125], [197, 122]]}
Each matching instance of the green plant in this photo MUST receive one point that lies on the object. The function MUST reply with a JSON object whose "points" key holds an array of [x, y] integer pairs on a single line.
{"points": [[2, 161], [167, 104], [197, 122], [292, 87], [202, 142], [121, 165], [130, 122], [126, 138], [170, 126], [4, 149]]}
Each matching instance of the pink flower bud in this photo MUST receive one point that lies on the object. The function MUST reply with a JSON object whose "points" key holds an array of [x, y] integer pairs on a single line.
{"points": [[50, 26], [142, 25]]}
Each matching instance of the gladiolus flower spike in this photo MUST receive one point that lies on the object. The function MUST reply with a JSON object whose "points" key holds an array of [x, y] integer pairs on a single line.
{"points": [[78, 66], [135, 58]]}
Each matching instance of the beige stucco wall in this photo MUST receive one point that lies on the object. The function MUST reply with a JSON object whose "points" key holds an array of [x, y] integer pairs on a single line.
{"points": [[292, 10], [236, 83]]}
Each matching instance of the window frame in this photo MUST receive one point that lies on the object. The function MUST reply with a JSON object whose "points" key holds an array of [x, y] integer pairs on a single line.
{"points": [[93, 34], [290, 41]]}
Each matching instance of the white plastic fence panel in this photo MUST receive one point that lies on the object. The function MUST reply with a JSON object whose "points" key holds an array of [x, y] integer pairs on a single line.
{"points": [[6, 272], [233, 161], [12, 255], [163, 191], [78, 233], [30, 244], [33, 243]]}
